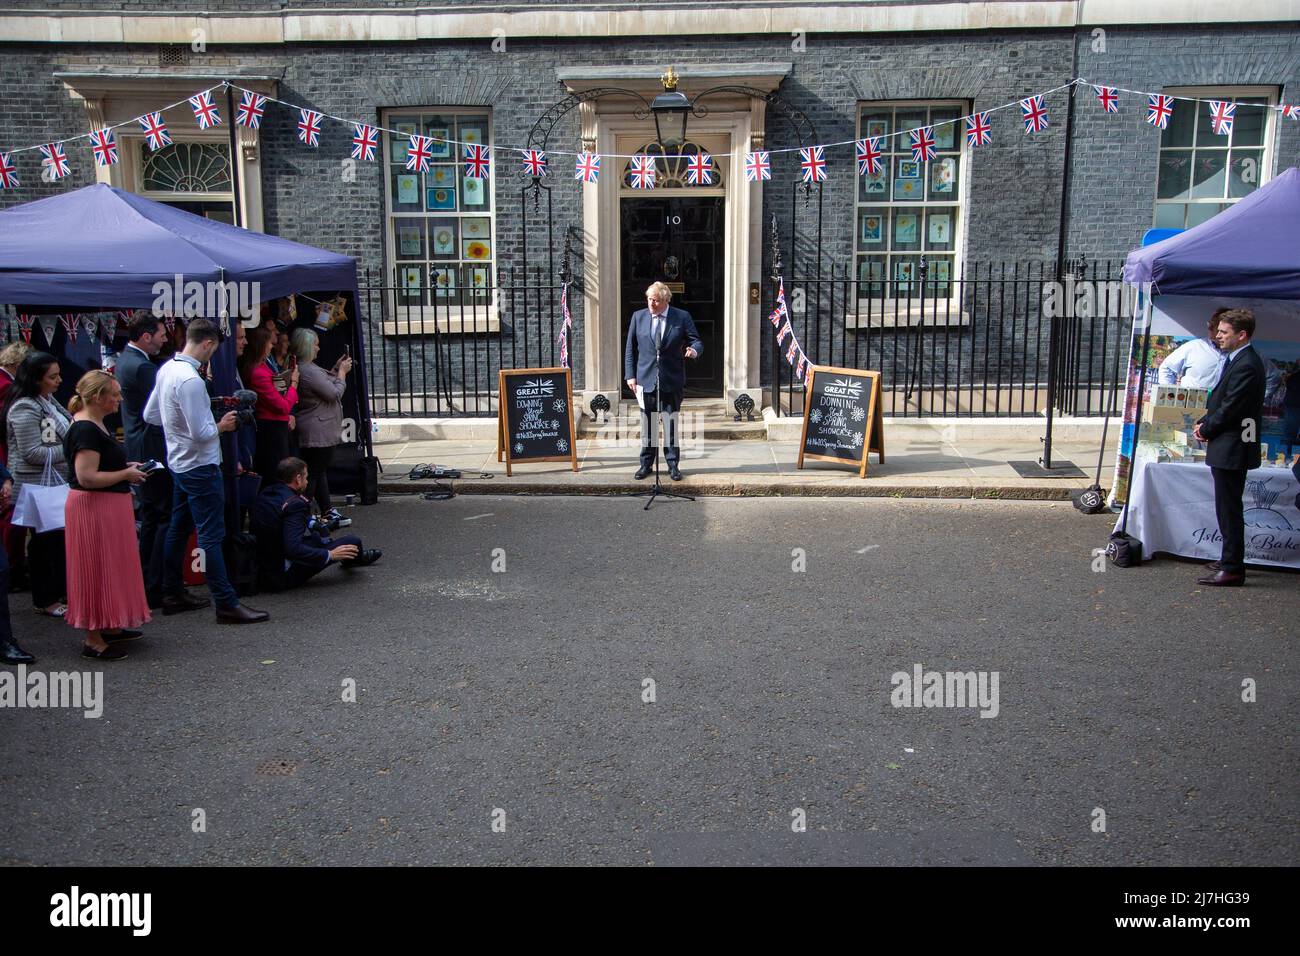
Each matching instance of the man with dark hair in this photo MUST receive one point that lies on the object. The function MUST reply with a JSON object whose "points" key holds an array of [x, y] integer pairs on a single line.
{"points": [[1231, 426], [292, 547], [136, 373], [180, 404]]}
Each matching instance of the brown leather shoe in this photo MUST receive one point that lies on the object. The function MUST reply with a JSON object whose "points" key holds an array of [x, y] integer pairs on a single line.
{"points": [[180, 603], [241, 614], [1222, 579]]}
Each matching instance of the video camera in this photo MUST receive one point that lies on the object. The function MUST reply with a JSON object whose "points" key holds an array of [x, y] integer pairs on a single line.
{"points": [[241, 403]]}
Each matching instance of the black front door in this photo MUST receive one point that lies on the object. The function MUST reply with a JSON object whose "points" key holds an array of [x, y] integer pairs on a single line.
{"points": [[678, 241]]}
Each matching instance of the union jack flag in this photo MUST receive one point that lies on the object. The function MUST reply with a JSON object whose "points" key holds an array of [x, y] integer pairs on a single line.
{"points": [[587, 167], [478, 161], [1221, 116], [1159, 109], [568, 324], [205, 112], [780, 311], [364, 142], [643, 172], [758, 165], [155, 131], [25, 323], [8, 173], [56, 159], [868, 156], [1291, 112], [979, 131], [812, 160], [801, 367], [785, 330], [535, 163], [104, 146], [250, 110], [1108, 97], [922, 143], [699, 171], [1035, 114], [309, 127], [70, 325], [775, 317], [419, 153], [792, 351]]}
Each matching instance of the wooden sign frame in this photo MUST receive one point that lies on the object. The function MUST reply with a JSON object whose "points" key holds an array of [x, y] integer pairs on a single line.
{"points": [[503, 418], [873, 440]]}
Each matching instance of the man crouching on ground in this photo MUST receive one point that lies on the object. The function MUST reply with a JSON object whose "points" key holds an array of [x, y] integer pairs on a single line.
{"points": [[292, 546]]}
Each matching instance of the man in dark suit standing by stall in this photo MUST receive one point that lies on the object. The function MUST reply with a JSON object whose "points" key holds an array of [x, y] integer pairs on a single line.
{"points": [[1234, 416], [659, 340], [136, 372]]}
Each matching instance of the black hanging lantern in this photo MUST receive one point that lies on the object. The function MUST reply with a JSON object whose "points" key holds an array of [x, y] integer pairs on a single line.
{"points": [[666, 107]]}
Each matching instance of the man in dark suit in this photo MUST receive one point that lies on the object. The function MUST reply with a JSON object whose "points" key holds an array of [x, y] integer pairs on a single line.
{"points": [[291, 547], [135, 373], [659, 340], [1231, 426]]}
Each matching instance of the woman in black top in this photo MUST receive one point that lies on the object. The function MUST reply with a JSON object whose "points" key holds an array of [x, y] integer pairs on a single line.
{"points": [[105, 583]]}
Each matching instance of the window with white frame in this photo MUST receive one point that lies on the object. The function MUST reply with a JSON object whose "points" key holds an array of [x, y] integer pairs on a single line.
{"points": [[440, 232], [1200, 172], [192, 174], [909, 209]]}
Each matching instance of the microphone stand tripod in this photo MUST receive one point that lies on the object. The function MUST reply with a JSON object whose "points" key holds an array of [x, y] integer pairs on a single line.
{"points": [[670, 431]]}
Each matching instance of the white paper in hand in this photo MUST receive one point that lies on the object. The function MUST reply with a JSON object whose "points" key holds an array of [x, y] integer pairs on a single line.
{"points": [[640, 397]]}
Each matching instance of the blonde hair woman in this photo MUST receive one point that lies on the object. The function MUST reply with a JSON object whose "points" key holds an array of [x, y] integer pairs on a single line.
{"points": [[105, 583]]}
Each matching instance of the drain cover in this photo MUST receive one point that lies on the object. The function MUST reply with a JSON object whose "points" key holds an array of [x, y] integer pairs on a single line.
{"points": [[278, 767]]}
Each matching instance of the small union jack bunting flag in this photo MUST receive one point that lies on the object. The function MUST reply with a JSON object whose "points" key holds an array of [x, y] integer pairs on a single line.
{"points": [[775, 317], [250, 110], [922, 143], [309, 127], [587, 167], [785, 330], [8, 172], [205, 112], [801, 367], [70, 325], [155, 131], [365, 140], [758, 166], [812, 163], [1221, 116], [792, 351], [1291, 112], [1159, 109], [1108, 97], [979, 131], [642, 172], [699, 170], [1034, 113], [55, 159], [25, 323], [104, 146], [534, 163], [478, 161], [868, 156], [419, 153]]}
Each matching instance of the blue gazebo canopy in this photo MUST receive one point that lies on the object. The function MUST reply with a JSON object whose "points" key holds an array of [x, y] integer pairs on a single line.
{"points": [[102, 247], [1251, 249]]}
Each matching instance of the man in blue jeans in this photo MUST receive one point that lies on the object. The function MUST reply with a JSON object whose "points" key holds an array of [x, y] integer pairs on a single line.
{"points": [[180, 404]]}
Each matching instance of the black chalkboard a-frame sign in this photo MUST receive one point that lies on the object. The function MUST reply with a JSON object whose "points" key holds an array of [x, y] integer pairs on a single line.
{"points": [[535, 416], [842, 417]]}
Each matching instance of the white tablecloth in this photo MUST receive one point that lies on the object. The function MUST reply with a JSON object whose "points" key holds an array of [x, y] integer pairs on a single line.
{"points": [[1172, 510]]}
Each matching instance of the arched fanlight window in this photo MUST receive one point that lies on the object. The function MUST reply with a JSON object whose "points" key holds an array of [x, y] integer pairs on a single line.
{"points": [[672, 171], [187, 168]]}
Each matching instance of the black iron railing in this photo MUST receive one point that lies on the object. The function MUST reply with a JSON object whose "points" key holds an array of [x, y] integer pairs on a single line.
{"points": [[979, 344]]}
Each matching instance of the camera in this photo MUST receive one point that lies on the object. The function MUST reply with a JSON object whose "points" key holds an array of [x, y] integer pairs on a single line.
{"points": [[241, 403], [322, 524]]}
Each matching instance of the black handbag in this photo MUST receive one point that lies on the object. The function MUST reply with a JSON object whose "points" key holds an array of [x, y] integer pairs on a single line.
{"points": [[370, 469], [241, 563]]}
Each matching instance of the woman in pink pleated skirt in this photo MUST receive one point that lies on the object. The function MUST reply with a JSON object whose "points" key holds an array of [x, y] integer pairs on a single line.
{"points": [[105, 585]]}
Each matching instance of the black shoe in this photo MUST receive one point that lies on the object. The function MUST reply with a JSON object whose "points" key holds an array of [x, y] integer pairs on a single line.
{"points": [[122, 636], [180, 603], [155, 601], [109, 653], [367, 557], [11, 653], [642, 472], [241, 614], [674, 473]]}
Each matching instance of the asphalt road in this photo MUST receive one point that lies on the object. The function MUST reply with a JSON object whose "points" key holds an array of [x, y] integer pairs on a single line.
{"points": [[522, 691]]}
